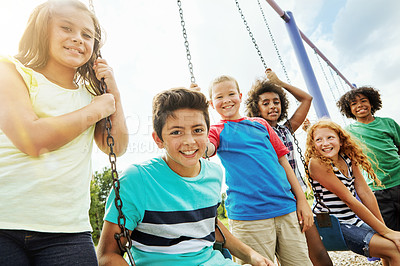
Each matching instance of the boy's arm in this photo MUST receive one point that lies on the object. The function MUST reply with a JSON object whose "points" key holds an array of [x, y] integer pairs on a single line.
{"points": [[304, 213], [108, 252], [240, 250]]}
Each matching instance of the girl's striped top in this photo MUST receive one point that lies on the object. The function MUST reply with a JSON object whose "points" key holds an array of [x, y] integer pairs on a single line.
{"points": [[336, 206]]}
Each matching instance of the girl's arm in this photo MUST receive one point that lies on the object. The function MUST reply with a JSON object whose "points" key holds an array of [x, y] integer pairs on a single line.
{"points": [[240, 250], [33, 135], [328, 179], [303, 97], [108, 252], [304, 213], [119, 130], [365, 194]]}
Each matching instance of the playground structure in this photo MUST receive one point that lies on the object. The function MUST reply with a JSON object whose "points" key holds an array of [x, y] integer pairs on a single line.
{"points": [[296, 37], [327, 224]]}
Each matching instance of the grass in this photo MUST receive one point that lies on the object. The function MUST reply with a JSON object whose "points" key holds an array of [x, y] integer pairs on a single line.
{"points": [[224, 221]]}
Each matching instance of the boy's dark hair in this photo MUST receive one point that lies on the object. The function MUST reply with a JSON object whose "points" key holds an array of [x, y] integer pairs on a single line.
{"points": [[259, 87], [167, 102], [370, 92]]}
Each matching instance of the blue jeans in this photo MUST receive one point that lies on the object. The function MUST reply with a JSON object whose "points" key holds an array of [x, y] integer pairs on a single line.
{"points": [[20, 247], [358, 238]]}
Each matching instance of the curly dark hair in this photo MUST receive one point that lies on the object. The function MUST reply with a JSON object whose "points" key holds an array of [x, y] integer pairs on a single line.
{"points": [[259, 87], [370, 92]]}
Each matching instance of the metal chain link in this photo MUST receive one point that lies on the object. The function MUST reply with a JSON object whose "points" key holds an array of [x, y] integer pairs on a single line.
{"points": [[91, 6], [306, 170], [188, 56], [116, 186], [341, 84], [333, 78], [274, 43], [327, 81], [325, 76], [251, 34]]}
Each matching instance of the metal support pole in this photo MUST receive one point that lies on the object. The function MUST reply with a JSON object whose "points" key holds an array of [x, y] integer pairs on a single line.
{"points": [[306, 68]]}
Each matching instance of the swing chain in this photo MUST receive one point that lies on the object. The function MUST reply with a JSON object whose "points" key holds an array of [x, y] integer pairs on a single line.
{"points": [[251, 34], [274, 43], [306, 170], [91, 6], [188, 55], [116, 186]]}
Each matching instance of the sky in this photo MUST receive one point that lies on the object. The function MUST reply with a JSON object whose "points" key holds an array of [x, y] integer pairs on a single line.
{"points": [[145, 46]]}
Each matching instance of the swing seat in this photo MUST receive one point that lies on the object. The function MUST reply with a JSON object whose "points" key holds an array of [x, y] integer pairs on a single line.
{"points": [[331, 234], [225, 252]]}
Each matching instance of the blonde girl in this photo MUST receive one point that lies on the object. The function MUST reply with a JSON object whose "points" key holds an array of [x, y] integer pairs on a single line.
{"points": [[50, 113], [335, 162]]}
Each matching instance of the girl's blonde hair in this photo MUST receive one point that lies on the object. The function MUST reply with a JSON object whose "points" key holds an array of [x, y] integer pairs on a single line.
{"points": [[33, 49], [349, 147]]}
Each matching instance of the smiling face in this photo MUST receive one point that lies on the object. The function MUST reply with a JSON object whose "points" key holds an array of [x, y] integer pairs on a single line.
{"points": [[361, 107], [327, 143], [269, 105], [71, 38], [184, 137], [226, 100]]}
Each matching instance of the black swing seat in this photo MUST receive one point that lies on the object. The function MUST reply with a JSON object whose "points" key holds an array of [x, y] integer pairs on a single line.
{"points": [[329, 229], [220, 245]]}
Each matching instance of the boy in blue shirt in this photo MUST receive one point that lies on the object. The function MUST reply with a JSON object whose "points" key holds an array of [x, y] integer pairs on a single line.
{"points": [[261, 206], [170, 202]]}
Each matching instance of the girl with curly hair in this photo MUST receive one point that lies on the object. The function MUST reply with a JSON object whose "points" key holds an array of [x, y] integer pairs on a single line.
{"points": [[267, 99], [335, 161]]}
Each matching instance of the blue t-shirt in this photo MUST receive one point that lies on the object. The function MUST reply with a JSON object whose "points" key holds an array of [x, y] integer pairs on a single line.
{"points": [[172, 217], [258, 187]]}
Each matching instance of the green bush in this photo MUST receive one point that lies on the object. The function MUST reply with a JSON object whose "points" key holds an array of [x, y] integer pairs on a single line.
{"points": [[99, 189]]}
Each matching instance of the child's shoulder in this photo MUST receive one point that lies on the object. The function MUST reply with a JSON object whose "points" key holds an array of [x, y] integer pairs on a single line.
{"points": [[316, 164], [388, 120], [134, 170], [29, 75], [211, 165]]}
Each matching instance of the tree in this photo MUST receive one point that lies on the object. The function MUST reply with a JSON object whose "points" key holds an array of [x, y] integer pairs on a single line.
{"points": [[99, 189], [221, 208]]}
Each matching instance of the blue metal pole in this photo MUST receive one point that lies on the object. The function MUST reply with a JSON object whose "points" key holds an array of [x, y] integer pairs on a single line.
{"points": [[306, 68]]}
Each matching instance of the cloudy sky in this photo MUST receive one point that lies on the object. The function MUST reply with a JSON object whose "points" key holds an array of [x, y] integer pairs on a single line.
{"points": [[145, 48]]}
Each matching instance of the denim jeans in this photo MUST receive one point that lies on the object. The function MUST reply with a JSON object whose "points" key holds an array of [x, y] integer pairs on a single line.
{"points": [[358, 238], [20, 247]]}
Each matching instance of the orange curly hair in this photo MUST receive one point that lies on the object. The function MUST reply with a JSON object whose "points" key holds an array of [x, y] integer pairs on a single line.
{"points": [[349, 147]]}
